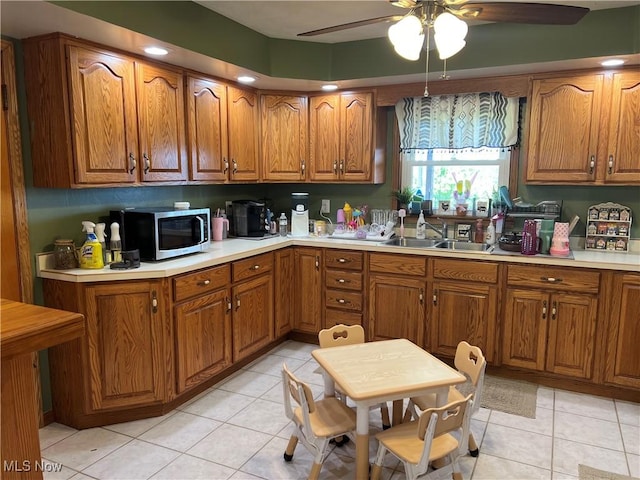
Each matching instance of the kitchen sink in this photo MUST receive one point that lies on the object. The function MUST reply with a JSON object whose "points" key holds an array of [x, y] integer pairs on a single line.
{"points": [[413, 242], [463, 246]]}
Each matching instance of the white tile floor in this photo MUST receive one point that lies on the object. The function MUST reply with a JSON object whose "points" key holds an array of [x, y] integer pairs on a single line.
{"points": [[237, 430]]}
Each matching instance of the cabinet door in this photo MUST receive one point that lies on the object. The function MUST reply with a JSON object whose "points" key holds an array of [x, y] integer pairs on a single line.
{"points": [[160, 95], [622, 365], [103, 109], [324, 137], [525, 328], [284, 272], [308, 290], [243, 135], [202, 329], [572, 325], [397, 308], [252, 316], [563, 129], [284, 127], [356, 119], [207, 121], [622, 165], [463, 311], [125, 344]]}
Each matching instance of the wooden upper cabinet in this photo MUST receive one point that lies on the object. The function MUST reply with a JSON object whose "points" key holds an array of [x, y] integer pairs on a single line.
{"points": [[583, 129], [207, 127], [563, 129], [341, 137], [243, 135], [103, 109], [623, 155], [160, 94], [284, 125]]}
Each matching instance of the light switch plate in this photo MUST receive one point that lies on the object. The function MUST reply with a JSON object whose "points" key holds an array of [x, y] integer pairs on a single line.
{"points": [[326, 206]]}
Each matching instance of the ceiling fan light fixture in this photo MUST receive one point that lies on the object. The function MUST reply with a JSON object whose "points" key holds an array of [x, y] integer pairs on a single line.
{"points": [[410, 49], [407, 37], [449, 35]]}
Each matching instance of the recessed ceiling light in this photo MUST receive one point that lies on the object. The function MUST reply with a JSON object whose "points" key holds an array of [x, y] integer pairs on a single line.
{"points": [[246, 79], [329, 87], [156, 51], [614, 62]]}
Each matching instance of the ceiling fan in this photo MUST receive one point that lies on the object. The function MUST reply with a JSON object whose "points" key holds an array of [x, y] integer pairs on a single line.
{"points": [[511, 12]]}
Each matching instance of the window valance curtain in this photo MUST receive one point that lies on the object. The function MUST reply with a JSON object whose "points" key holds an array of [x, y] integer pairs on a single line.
{"points": [[472, 120]]}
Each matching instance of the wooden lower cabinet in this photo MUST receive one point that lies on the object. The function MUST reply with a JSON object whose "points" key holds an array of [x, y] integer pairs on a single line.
{"points": [[283, 301], [308, 290], [550, 329], [622, 362], [122, 362], [202, 331], [397, 297], [344, 296]]}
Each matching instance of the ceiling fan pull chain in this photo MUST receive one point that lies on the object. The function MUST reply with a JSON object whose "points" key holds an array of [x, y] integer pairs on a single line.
{"points": [[426, 79]]}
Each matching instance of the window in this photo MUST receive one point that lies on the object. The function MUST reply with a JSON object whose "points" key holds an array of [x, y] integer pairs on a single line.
{"points": [[442, 174]]}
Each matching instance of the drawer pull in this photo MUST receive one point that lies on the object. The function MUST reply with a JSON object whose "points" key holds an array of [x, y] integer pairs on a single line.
{"points": [[342, 260], [237, 302], [421, 296], [342, 301], [154, 302], [435, 297], [204, 283], [544, 310], [551, 279], [255, 267], [554, 310], [342, 280]]}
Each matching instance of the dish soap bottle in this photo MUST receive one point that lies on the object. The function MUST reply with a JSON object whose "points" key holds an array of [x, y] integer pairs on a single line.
{"points": [[421, 227], [490, 236], [91, 251]]}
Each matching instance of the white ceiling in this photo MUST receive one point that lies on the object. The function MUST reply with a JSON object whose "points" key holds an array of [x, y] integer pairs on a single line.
{"points": [[277, 19], [285, 19]]}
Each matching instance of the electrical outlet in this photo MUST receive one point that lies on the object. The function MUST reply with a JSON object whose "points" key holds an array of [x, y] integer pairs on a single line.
{"points": [[326, 206]]}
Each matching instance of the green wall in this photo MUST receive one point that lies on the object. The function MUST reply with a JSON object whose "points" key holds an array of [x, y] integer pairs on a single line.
{"points": [[57, 213]]}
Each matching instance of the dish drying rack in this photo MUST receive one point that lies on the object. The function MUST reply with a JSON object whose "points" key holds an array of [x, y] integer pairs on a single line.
{"points": [[549, 209], [371, 236]]}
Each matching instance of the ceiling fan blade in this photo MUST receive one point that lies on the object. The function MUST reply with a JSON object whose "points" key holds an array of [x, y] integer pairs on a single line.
{"points": [[512, 12], [345, 26]]}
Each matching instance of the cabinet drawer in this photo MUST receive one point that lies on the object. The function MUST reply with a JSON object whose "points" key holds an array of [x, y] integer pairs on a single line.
{"points": [[343, 300], [343, 259], [465, 270], [343, 280], [198, 283], [556, 278], [402, 264], [335, 317], [252, 267]]}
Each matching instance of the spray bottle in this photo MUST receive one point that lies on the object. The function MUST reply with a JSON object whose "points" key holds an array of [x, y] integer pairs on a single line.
{"points": [[91, 251], [103, 244]]}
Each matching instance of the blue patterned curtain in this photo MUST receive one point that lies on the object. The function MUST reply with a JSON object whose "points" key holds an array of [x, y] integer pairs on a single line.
{"points": [[472, 120]]}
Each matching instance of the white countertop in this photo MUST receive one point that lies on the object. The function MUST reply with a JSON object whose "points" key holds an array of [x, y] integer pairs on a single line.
{"points": [[237, 248]]}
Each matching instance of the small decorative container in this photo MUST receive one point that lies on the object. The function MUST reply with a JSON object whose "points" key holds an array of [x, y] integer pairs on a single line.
{"points": [[65, 255]]}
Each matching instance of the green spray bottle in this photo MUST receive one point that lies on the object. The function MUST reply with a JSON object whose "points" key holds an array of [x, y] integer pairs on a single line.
{"points": [[91, 250]]}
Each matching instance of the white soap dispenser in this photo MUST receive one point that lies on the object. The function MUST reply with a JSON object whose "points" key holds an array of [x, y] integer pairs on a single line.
{"points": [[421, 227]]}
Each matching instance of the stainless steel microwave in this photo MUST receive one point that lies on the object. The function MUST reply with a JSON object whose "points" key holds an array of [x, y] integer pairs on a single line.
{"points": [[164, 232]]}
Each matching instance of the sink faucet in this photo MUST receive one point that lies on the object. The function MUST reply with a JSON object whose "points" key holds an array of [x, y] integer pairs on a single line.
{"points": [[444, 232]]}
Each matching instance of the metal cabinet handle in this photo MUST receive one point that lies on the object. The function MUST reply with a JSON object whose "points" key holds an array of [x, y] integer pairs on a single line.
{"points": [[154, 302], [341, 167], [317, 262], [421, 296], [342, 301], [237, 302], [551, 279], [342, 260], [147, 163], [342, 280], [544, 309], [226, 165], [235, 166], [254, 267], [132, 162], [592, 164], [228, 300], [610, 171], [335, 167], [302, 167], [554, 310], [204, 283], [435, 297]]}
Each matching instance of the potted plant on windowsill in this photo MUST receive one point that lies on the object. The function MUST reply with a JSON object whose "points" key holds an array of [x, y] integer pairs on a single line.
{"points": [[404, 196]]}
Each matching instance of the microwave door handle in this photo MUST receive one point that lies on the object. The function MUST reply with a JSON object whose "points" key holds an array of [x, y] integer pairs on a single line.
{"points": [[199, 218]]}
